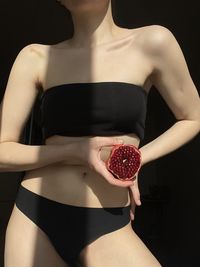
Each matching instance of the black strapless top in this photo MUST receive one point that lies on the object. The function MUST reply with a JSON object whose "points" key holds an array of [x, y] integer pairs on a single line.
{"points": [[93, 109]]}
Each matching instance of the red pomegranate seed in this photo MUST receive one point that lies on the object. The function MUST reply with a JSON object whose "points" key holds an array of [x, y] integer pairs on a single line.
{"points": [[124, 161]]}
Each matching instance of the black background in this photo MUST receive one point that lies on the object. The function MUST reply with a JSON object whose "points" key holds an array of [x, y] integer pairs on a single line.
{"points": [[168, 220]]}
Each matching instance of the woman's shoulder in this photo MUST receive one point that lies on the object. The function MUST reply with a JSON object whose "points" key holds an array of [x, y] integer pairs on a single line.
{"points": [[34, 50], [154, 30], [154, 37]]}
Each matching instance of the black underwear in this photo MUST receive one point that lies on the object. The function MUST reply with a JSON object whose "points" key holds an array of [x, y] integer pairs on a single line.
{"points": [[70, 228]]}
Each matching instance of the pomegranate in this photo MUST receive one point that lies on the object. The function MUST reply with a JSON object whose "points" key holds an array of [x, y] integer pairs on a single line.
{"points": [[124, 161]]}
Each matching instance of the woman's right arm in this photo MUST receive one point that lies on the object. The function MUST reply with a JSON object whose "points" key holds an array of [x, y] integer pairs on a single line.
{"points": [[20, 95], [15, 109]]}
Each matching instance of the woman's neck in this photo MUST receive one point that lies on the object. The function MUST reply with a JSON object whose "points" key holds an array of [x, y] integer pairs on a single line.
{"points": [[93, 27]]}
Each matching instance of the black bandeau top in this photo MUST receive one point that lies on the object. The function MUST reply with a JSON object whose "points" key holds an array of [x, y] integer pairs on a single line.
{"points": [[93, 109]]}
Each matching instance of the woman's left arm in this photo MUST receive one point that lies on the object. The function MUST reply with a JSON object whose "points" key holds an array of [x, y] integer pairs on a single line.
{"points": [[172, 79]]}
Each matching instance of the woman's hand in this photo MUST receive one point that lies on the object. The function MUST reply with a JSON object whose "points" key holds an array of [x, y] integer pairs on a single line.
{"points": [[89, 149], [134, 194]]}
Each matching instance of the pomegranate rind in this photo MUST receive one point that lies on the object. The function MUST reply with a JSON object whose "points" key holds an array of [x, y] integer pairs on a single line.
{"points": [[124, 162]]}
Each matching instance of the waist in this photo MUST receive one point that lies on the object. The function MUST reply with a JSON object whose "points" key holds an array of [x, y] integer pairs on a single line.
{"points": [[77, 184]]}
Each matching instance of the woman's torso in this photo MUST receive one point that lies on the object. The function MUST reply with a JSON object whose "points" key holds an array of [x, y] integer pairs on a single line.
{"points": [[123, 61]]}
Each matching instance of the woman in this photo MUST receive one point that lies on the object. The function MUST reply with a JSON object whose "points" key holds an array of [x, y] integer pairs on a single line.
{"points": [[70, 210]]}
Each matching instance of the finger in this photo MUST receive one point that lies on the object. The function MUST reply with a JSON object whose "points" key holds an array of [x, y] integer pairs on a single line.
{"points": [[135, 193], [133, 204], [132, 215], [112, 180], [108, 175], [132, 199], [100, 167]]}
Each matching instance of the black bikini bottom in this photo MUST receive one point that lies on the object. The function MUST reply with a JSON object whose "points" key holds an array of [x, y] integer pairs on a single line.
{"points": [[70, 228]]}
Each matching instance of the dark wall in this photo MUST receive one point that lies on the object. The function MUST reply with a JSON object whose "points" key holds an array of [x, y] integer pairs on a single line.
{"points": [[168, 220]]}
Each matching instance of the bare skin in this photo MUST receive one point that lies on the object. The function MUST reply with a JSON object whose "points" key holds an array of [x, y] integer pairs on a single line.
{"points": [[142, 52]]}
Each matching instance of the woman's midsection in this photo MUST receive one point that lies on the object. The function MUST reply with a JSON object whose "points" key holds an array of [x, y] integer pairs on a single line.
{"points": [[77, 185]]}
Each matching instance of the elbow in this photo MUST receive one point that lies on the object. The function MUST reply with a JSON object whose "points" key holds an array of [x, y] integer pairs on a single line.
{"points": [[195, 126], [196, 121]]}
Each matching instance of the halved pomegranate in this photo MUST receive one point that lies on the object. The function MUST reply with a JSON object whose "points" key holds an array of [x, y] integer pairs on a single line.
{"points": [[124, 161]]}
